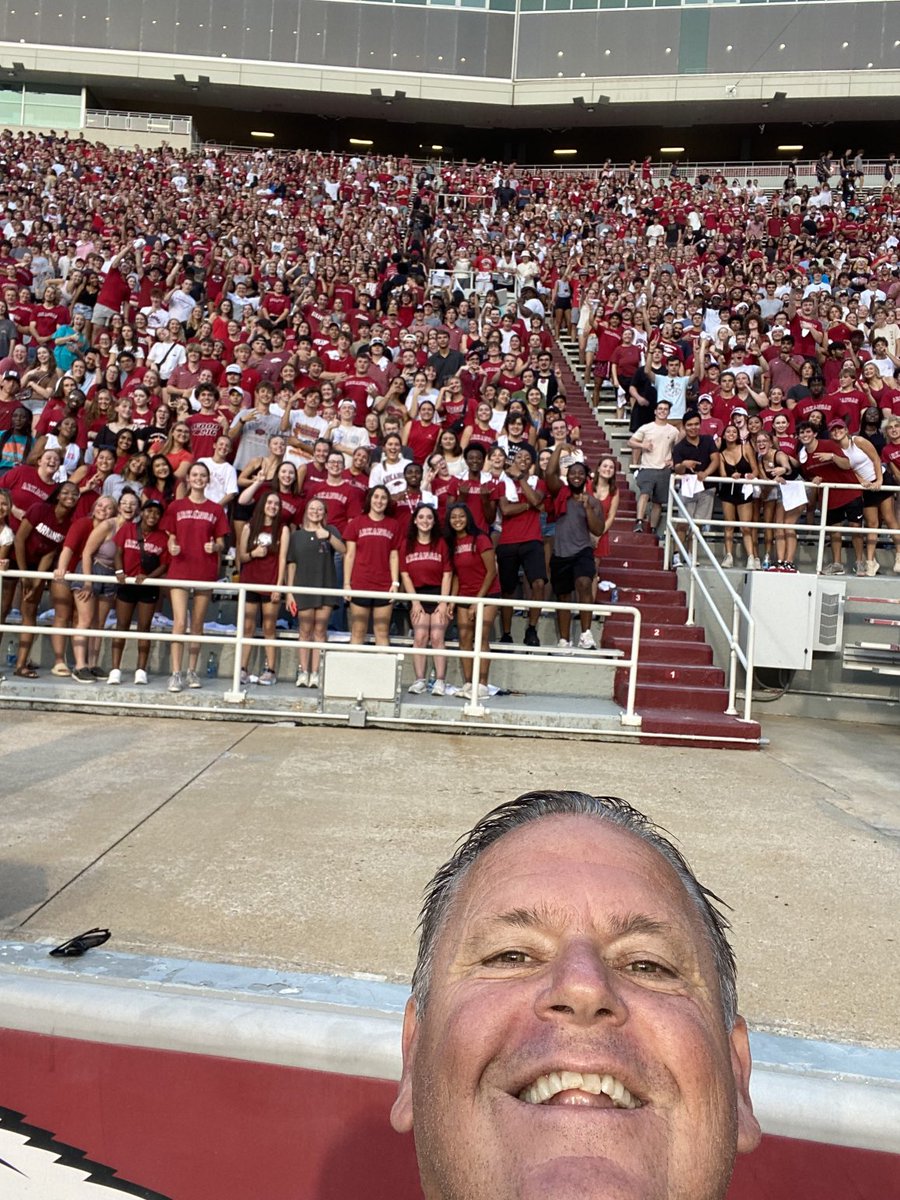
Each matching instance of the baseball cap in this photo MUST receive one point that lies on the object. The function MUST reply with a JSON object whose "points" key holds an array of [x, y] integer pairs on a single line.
{"points": [[11, 375], [837, 423], [234, 369]]}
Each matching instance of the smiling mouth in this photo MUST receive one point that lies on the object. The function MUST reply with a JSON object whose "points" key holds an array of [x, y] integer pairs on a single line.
{"points": [[578, 1089]]}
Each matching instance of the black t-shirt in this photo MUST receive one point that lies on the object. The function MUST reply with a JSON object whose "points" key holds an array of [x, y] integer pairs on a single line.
{"points": [[701, 453]]}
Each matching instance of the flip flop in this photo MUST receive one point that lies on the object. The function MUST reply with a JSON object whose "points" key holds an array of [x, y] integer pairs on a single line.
{"points": [[25, 672], [60, 669]]}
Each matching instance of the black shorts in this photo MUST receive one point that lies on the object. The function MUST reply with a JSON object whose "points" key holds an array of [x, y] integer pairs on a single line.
{"points": [[260, 597], [513, 555], [851, 512], [429, 589], [361, 603], [564, 571], [563, 302], [137, 593], [875, 499], [243, 512]]}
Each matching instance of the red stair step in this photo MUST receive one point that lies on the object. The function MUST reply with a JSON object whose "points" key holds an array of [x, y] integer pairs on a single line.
{"points": [[684, 675], [712, 725], [634, 577], [637, 551], [663, 631], [658, 653], [673, 696]]}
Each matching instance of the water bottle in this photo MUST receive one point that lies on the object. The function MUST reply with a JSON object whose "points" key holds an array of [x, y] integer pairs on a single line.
{"points": [[212, 666], [10, 653], [432, 675], [219, 617], [614, 598]]}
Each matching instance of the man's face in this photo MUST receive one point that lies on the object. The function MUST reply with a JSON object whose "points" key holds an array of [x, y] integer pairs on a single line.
{"points": [[573, 947]]}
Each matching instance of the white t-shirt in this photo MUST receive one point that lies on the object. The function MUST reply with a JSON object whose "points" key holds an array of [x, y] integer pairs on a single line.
{"points": [[223, 480]]}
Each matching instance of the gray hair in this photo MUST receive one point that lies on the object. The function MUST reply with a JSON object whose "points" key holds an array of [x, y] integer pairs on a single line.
{"points": [[448, 879]]}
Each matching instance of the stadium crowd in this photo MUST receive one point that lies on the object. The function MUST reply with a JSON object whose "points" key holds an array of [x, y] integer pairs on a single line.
{"points": [[327, 370]]}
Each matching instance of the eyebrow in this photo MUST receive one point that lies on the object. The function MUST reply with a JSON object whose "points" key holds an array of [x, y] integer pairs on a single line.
{"points": [[551, 918]]}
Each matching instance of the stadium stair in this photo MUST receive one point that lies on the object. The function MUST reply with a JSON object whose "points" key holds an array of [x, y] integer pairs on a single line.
{"points": [[680, 691]]}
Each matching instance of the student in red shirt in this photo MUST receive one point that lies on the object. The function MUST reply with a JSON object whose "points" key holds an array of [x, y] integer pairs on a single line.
{"points": [[142, 555], [372, 564], [262, 553], [197, 529], [425, 568], [39, 540], [474, 574]]}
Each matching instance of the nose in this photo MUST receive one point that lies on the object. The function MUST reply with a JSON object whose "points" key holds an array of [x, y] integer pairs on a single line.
{"points": [[581, 988]]}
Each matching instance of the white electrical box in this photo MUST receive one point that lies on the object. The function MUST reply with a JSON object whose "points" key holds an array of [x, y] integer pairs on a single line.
{"points": [[783, 608], [350, 675]]}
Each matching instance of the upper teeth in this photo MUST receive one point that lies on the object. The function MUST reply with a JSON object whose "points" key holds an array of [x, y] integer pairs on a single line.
{"points": [[547, 1086]]}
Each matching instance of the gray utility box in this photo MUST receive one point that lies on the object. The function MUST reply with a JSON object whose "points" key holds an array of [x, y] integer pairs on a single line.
{"points": [[794, 616]]}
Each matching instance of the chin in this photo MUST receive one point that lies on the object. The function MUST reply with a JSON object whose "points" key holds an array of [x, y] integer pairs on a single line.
{"points": [[585, 1177]]}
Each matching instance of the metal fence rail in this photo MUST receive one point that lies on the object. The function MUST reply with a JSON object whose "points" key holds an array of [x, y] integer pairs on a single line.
{"points": [[236, 695]]}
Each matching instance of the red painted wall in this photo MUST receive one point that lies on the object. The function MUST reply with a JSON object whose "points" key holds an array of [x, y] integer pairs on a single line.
{"points": [[200, 1128]]}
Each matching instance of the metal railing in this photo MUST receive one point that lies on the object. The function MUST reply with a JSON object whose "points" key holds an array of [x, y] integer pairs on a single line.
{"points": [[820, 527], [737, 655], [236, 695], [135, 122]]}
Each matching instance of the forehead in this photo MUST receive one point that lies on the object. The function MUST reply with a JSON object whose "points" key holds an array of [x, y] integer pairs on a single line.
{"points": [[575, 875]]}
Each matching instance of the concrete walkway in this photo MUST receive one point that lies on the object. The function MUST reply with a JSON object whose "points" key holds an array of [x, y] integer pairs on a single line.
{"points": [[307, 848]]}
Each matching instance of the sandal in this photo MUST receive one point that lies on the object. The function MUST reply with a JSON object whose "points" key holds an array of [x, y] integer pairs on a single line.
{"points": [[26, 672], [60, 669]]}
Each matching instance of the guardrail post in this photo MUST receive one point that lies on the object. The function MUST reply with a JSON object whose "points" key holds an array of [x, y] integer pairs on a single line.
{"points": [[629, 716], [823, 522], [667, 547], [236, 695], [474, 707], [731, 710]]}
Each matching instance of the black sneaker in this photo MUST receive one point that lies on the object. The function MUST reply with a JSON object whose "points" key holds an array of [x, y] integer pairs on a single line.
{"points": [[638, 527], [506, 639], [83, 675], [97, 673], [531, 636]]}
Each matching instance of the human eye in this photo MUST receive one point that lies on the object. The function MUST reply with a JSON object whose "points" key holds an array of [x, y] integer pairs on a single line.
{"points": [[649, 968], [508, 958]]}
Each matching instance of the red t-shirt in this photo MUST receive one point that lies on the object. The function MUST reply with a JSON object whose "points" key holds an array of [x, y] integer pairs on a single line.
{"points": [[47, 533], [26, 488], [423, 439], [205, 429], [474, 493], [342, 501], [524, 526], [890, 456], [468, 564], [193, 525], [374, 542], [426, 565], [829, 473], [156, 545]]}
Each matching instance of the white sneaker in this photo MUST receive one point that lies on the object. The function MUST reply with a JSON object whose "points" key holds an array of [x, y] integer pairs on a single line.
{"points": [[114, 677], [562, 644], [438, 688], [586, 641], [140, 677], [175, 684], [897, 564], [861, 567], [417, 687], [302, 679], [753, 563], [193, 679], [465, 691], [728, 561], [313, 680], [483, 691], [872, 567]]}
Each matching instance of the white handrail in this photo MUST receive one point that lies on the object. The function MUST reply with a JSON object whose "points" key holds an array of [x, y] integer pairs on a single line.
{"points": [[736, 653], [477, 654], [820, 527]]}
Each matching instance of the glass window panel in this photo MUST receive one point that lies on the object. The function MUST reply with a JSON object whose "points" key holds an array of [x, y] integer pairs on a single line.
{"points": [[503, 5], [586, 4], [612, 3], [191, 21], [10, 105], [371, 33], [558, 5], [256, 21], [123, 31], [693, 46], [532, 5]]}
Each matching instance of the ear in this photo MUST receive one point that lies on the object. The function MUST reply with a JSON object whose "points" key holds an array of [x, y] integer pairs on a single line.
{"points": [[749, 1133], [402, 1110]]}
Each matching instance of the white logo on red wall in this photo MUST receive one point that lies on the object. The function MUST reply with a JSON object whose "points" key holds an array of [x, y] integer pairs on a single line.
{"points": [[35, 1166]]}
